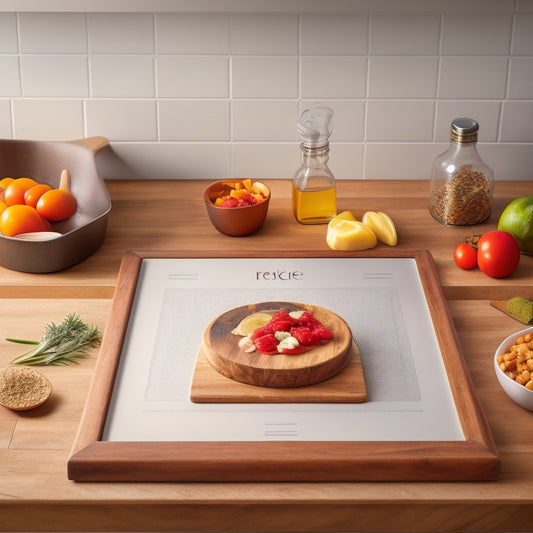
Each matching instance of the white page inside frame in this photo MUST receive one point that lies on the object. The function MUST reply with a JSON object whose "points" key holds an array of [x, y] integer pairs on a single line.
{"points": [[381, 300]]}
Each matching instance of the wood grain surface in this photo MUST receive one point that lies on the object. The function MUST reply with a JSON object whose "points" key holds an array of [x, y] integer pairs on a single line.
{"points": [[171, 215], [221, 349], [34, 447], [348, 386], [474, 458]]}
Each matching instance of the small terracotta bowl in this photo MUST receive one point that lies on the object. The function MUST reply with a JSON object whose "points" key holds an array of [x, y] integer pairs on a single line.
{"points": [[515, 391], [234, 221]]}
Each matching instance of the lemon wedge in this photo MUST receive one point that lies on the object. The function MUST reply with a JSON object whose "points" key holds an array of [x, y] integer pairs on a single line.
{"points": [[251, 322], [349, 235], [346, 215], [382, 225]]}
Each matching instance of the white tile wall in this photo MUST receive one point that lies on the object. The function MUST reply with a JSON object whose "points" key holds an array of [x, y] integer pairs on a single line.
{"points": [[66, 33], [120, 33], [192, 76], [122, 76], [210, 94], [194, 120], [400, 34]]}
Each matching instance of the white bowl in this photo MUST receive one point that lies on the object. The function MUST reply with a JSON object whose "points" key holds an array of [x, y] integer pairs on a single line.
{"points": [[515, 391]]}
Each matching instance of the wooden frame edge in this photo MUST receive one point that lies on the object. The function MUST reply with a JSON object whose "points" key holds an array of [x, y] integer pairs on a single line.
{"points": [[94, 460]]}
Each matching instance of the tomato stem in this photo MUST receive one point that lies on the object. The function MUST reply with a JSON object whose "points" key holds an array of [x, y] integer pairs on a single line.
{"points": [[473, 240]]}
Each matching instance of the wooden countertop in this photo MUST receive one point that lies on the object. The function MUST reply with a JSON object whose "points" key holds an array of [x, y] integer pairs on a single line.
{"points": [[35, 494]]}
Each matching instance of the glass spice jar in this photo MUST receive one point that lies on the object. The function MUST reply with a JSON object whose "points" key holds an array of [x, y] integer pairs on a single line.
{"points": [[461, 183]]}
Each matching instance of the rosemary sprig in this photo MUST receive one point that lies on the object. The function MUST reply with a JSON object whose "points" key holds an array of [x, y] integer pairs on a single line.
{"points": [[61, 344]]}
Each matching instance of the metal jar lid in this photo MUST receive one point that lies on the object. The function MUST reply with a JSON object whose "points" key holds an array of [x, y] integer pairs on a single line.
{"points": [[464, 130]]}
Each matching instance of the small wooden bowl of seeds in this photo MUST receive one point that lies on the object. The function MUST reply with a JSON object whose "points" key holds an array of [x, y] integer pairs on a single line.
{"points": [[23, 388]]}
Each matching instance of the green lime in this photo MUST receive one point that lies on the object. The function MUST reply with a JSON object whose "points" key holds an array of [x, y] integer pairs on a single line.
{"points": [[517, 219]]}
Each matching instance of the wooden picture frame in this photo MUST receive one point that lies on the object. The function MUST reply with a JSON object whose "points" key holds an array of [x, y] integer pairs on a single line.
{"points": [[92, 459]]}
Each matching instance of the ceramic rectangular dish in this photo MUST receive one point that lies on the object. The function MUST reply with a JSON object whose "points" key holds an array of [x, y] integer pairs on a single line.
{"points": [[84, 232]]}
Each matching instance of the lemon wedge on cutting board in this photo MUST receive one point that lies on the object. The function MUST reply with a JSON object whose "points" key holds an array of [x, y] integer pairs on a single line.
{"points": [[349, 235]]}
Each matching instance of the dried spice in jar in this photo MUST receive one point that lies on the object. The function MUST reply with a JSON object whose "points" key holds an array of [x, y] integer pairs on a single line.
{"points": [[461, 183]]}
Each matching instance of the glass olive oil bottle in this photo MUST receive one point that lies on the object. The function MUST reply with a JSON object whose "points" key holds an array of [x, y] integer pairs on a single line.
{"points": [[314, 196]]}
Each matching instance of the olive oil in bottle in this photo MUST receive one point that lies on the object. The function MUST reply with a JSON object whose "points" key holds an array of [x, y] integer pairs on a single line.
{"points": [[314, 197]]}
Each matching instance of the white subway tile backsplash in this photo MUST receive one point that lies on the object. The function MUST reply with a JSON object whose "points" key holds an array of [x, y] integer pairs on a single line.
{"points": [[262, 160], [194, 120], [346, 160], [54, 75], [333, 76], [402, 121], [509, 161], [52, 120], [334, 34], [122, 120], [264, 77], [192, 33], [521, 78], [164, 160], [522, 42], [524, 6], [121, 33], [476, 34], [517, 122], [402, 77], [405, 161], [192, 77], [348, 119], [8, 33], [5, 120], [414, 34], [486, 113], [122, 76], [473, 77], [215, 94], [61, 33], [264, 120], [264, 34], [10, 76]]}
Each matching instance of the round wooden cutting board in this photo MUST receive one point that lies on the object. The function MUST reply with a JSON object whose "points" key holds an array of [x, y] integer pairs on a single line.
{"points": [[220, 348]]}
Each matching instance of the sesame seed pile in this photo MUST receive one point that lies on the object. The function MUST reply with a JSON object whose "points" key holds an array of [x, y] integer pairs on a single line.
{"points": [[23, 388]]}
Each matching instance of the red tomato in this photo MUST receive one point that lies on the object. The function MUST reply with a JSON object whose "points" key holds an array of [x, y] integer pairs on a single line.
{"points": [[465, 256], [498, 254]]}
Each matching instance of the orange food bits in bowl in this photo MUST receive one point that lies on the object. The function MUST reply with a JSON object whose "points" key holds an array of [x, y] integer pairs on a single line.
{"points": [[233, 208], [240, 193]]}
